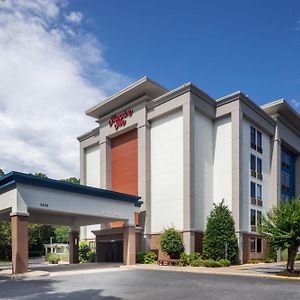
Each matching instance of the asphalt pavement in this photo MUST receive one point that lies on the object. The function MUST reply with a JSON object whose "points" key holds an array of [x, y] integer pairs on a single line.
{"points": [[149, 284]]}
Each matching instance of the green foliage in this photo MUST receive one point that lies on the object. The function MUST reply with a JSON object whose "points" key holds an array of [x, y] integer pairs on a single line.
{"points": [[220, 229], [281, 228], [40, 174], [85, 252], [147, 257], [53, 258], [271, 254], [1, 172], [224, 263], [61, 234], [254, 261], [171, 242], [5, 241], [71, 179], [268, 260], [184, 259], [199, 262]]}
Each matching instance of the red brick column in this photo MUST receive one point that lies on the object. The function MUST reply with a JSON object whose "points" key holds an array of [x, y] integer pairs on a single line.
{"points": [[74, 247], [19, 243], [129, 248]]}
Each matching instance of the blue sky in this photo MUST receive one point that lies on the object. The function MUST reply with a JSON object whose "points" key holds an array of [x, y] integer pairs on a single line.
{"points": [[221, 46], [60, 57]]}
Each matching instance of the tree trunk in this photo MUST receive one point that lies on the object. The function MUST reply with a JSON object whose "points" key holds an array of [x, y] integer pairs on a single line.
{"points": [[292, 252]]}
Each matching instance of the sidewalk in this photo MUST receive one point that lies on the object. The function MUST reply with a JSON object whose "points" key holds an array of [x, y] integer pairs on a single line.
{"points": [[272, 270]]}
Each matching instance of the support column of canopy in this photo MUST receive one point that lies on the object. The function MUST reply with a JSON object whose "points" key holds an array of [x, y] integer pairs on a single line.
{"points": [[74, 245], [129, 244], [19, 242]]}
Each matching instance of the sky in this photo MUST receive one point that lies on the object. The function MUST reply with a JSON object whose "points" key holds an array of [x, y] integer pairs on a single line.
{"points": [[58, 58]]}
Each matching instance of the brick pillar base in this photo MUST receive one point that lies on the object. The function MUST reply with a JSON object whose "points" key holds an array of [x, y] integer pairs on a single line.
{"points": [[19, 243], [129, 247], [74, 241]]}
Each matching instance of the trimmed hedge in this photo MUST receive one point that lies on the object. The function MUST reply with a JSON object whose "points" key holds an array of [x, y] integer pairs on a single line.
{"points": [[147, 257], [195, 260]]}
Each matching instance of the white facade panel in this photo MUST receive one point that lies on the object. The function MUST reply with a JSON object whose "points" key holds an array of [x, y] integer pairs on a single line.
{"points": [[223, 161], [92, 173], [167, 172], [203, 169], [92, 164]]}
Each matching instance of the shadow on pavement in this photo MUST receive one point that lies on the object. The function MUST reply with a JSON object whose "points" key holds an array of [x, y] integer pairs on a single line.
{"points": [[44, 289]]}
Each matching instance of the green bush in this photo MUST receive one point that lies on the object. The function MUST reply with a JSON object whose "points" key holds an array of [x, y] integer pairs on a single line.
{"points": [[298, 256], [184, 259], [85, 252], [171, 242], [53, 258], [211, 263], [268, 260], [220, 229], [224, 262], [147, 257], [254, 261], [194, 256], [197, 262]]}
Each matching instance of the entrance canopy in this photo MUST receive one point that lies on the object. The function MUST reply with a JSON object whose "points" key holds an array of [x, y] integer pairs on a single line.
{"points": [[31, 199], [49, 201]]}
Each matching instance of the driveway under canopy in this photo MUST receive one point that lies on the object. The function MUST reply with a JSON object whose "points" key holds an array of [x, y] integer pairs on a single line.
{"points": [[27, 199]]}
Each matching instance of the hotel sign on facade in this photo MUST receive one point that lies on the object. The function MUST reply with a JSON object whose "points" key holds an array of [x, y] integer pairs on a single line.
{"points": [[120, 119]]}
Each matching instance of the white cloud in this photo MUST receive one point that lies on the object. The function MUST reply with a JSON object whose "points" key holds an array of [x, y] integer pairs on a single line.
{"points": [[74, 17], [49, 75], [297, 28]]}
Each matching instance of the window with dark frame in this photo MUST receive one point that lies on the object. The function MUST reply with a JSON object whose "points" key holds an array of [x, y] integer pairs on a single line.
{"points": [[259, 191], [253, 138], [258, 245], [252, 245], [259, 166], [253, 190], [253, 217], [259, 141], [253, 165]]}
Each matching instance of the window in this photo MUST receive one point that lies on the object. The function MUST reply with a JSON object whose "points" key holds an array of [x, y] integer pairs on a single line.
{"points": [[253, 190], [285, 181], [259, 141], [256, 245], [253, 165], [285, 158], [253, 138], [258, 191], [259, 166], [255, 216], [256, 139]]}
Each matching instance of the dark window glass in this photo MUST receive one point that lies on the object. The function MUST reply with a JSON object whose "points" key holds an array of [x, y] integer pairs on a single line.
{"points": [[253, 217], [253, 138], [258, 245], [259, 139], [259, 191], [258, 216], [253, 193], [253, 162], [259, 166], [252, 245]]}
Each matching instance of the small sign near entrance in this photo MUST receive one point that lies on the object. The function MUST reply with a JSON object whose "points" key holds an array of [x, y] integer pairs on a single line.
{"points": [[120, 119]]}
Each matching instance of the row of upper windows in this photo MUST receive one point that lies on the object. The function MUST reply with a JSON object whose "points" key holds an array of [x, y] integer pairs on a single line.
{"points": [[256, 140]]}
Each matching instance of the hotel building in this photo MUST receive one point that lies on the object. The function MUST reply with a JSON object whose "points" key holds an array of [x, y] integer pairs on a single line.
{"points": [[182, 151]]}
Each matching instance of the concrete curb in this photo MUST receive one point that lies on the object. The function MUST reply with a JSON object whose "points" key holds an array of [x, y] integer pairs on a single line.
{"points": [[28, 275], [207, 271]]}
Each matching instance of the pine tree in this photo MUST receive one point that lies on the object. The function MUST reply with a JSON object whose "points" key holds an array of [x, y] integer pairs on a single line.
{"points": [[220, 231]]}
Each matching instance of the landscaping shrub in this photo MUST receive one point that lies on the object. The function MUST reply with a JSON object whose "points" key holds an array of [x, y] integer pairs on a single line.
{"points": [[184, 259], [171, 242], [268, 260], [148, 257], [197, 262], [85, 252], [254, 261], [224, 262], [53, 258], [194, 256], [220, 229], [211, 263]]}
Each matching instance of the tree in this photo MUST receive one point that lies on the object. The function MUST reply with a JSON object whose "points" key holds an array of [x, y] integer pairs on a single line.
{"points": [[220, 231], [280, 226], [1, 172], [71, 179], [40, 174], [61, 234], [171, 242], [5, 241]]}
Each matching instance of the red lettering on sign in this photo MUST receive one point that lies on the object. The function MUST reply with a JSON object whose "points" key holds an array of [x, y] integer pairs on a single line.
{"points": [[119, 120]]}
